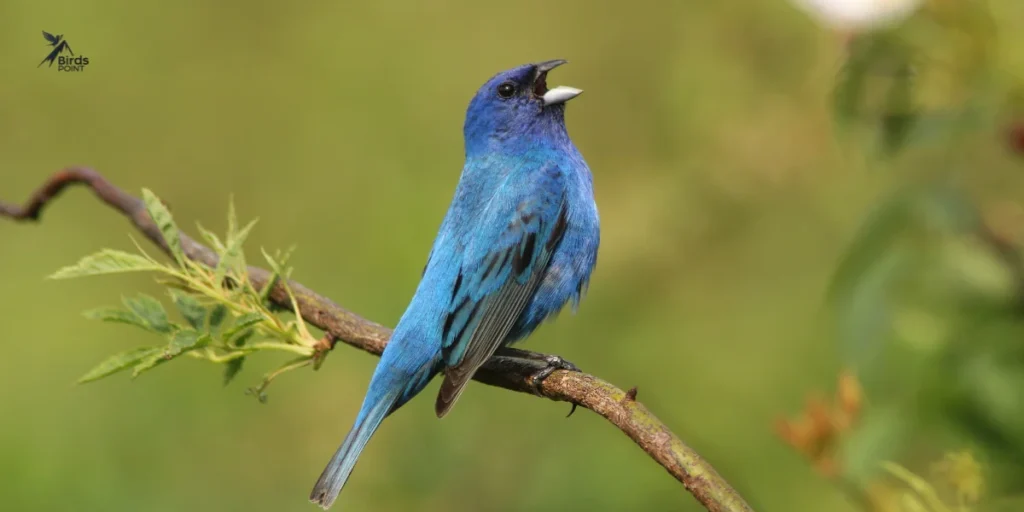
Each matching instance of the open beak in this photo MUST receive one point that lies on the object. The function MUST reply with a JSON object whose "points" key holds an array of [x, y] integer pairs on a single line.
{"points": [[560, 94]]}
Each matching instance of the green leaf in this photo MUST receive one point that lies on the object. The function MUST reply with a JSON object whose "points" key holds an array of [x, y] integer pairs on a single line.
{"points": [[242, 325], [277, 270], [190, 308], [117, 315], [211, 239], [233, 259], [231, 369], [232, 220], [108, 261], [150, 311], [900, 115], [238, 336], [185, 340], [882, 229], [866, 53], [147, 363], [876, 292], [934, 129], [992, 391], [117, 363], [162, 217], [882, 436], [242, 338], [875, 89], [217, 315]]}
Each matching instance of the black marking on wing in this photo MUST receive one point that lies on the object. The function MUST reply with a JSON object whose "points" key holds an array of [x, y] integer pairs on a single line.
{"points": [[558, 230], [458, 286], [521, 260], [504, 261], [490, 266], [450, 318]]}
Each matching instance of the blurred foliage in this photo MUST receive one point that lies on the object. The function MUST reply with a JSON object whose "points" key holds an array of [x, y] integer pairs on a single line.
{"points": [[727, 203], [929, 299], [923, 82]]}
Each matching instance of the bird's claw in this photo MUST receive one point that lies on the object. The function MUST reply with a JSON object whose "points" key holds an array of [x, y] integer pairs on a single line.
{"points": [[572, 410], [554, 363]]}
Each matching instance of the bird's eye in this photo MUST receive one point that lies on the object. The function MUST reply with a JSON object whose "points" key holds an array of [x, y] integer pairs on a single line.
{"points": [[506, 90]]}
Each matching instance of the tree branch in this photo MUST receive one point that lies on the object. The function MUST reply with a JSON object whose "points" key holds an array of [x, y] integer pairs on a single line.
{"points": [[617, 406]]}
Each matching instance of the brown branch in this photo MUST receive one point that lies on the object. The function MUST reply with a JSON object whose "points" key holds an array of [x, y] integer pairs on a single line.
{"points": [[617, 406]]}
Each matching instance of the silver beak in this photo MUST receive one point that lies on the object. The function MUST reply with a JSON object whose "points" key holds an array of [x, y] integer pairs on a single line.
{"points": [[560, 94]]}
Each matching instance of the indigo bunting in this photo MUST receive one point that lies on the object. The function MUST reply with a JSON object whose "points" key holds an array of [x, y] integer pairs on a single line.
{"points": [[519, 241]]}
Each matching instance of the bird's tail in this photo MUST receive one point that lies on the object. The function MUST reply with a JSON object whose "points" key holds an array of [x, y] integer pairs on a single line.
{"points": [[338, 470], [387, 392]]}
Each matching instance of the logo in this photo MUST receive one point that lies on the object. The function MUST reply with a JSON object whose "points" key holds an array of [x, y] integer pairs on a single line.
{"points": [[64, 62]]}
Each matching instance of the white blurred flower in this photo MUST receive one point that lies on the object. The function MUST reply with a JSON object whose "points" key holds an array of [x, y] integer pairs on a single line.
{"points": [[859, 15]]}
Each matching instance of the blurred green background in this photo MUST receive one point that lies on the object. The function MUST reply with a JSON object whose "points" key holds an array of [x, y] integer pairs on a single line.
{"points": [[725, 202]]}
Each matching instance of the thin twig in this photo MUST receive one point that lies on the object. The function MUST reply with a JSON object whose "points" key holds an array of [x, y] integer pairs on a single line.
{"points": [[617, 406]]}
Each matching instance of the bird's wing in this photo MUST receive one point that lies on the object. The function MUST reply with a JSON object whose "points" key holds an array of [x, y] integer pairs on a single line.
{"points": [[504, 260], [50, 37]]}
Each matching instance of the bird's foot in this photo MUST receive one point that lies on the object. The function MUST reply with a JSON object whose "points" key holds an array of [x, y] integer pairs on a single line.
{"points": [[553, 363], [541, 365]]}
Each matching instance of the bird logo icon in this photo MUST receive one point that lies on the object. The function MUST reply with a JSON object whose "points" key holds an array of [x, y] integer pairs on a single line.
{"points": [[59, 44]]}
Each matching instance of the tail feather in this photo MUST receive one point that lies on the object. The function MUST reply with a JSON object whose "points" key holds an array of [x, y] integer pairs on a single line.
{"points": [[389, 389], [338, 470]]}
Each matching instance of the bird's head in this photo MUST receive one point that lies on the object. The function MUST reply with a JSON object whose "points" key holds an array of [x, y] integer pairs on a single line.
{"points": [[516, 106]]}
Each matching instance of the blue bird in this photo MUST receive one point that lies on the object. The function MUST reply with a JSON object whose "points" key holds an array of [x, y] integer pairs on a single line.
{"points": [[519, 241]]}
